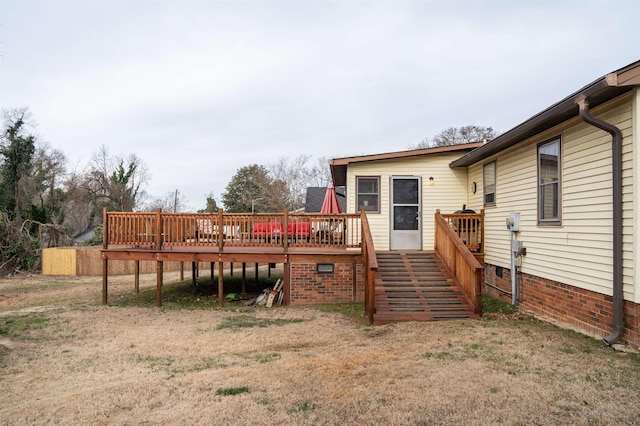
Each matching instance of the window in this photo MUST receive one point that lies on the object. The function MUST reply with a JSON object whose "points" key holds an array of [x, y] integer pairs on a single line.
{"points": [[489, 184], [368, 189], [549, 183]]}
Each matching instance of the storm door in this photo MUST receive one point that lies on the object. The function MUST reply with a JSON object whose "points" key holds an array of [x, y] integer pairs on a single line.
{"points": [[406, 228]]}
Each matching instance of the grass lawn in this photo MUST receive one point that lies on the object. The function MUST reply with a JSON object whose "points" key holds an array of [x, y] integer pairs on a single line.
{"points": [[65, 358]]}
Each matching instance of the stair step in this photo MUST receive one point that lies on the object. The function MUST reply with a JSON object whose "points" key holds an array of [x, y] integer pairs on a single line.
{"points": [[412, 286]]}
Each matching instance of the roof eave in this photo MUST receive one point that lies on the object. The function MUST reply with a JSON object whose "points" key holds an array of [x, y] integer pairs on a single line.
{"points": [[602, 90], [339, 166]]}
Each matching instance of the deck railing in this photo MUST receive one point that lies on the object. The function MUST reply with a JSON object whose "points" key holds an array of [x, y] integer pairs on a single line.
{"points": [[468, 227], [370, 267], [457, 257], [161, 230]]}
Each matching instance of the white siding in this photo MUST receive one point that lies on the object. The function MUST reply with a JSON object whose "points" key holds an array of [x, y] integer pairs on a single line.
{"points": [[579, 252], [448, 193]]}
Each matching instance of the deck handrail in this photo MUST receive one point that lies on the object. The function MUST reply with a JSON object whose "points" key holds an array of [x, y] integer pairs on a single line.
{"points": [[469, 227], [161, 230], [371, 268], [459, 260]]}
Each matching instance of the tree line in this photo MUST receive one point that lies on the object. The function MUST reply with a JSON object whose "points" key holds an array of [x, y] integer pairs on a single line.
{"points": [[42, 204]]}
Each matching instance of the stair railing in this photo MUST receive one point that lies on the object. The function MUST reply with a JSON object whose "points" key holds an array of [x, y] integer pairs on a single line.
{"points": [[459, 261], [370, 266]]}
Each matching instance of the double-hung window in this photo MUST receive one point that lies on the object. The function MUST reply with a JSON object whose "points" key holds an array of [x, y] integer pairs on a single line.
{"points": [[549, 196], [489, 184], [368, 189]]}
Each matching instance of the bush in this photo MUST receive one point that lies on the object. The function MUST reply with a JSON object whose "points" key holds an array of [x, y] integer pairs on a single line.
{"points": [[96, 240]]}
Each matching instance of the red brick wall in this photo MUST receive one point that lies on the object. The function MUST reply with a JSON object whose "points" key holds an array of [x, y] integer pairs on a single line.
{"points": [[307, 286], [584, 310]]}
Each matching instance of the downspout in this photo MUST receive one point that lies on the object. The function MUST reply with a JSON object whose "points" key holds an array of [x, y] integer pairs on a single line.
{"points": [[616, 154]]}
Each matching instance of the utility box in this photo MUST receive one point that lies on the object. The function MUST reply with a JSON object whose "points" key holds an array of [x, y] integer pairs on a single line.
{"points": [[516, 246], [513, 222]]}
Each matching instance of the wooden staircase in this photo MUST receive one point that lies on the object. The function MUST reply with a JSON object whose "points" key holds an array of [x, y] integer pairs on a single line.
{"points": [[415, 286]]}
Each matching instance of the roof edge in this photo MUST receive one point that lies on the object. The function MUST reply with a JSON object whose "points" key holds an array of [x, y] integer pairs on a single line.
{"points": [[340, 161], [616, 82]]}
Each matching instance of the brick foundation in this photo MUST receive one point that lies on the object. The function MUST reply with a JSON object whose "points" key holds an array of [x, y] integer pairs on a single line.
{"points": [[566, 305], [308, 286]]}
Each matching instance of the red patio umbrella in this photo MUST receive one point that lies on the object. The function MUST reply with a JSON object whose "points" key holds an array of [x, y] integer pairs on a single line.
{"points": [[330, 204]]}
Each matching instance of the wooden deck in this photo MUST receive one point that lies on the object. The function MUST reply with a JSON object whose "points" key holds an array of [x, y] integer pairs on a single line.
{"points": [[414, 286], [398, 286]]}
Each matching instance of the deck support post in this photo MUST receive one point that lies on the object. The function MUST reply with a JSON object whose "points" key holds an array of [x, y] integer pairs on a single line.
{"points": [[159, 267], [181, 271], [136, 279], [244, 274], [243, 290], [105, 246], [105, 277], [256, 272], [221, 284], [193, 273], [287, 281], [212, 267], [231, 268]]}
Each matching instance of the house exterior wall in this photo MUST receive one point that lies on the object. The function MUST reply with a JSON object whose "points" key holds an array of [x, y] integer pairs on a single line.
{"points": [[448, 192], [571, 306], [577, 253]]}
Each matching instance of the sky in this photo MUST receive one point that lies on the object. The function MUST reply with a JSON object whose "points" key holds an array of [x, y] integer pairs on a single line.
{"points": [[199, 89]]}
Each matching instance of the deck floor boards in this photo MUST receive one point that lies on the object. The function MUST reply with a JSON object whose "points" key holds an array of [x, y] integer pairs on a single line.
{"points": [[414, 286]]}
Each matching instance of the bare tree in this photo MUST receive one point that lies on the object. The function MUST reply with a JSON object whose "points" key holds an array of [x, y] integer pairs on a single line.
{"points": [[115, 182], [109, 181], [172, 201], [294, 173], [458, 136], [49, 170], [319, 172]]}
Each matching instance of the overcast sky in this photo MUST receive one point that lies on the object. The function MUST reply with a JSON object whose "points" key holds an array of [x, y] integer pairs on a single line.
{"points": [[199, 89]]}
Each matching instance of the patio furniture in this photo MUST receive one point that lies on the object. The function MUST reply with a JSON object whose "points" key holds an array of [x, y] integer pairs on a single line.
{"points": [[299, 230], [267, 230]]}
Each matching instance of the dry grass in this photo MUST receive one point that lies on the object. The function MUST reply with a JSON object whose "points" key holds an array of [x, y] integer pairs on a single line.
{"points": [[66, 359]]}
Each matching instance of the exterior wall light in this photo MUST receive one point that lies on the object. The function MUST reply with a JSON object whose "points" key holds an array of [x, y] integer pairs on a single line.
{"points": [[431, 181]]}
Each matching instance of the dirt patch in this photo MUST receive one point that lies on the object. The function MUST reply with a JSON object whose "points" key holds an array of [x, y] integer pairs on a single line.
{"points": [[65, 358]]}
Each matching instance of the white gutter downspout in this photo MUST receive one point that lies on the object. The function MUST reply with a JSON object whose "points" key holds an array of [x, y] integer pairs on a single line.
{"points": [[616, 154]]}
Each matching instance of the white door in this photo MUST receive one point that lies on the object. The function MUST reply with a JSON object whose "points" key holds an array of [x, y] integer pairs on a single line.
{"points": [[406, 223]]}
